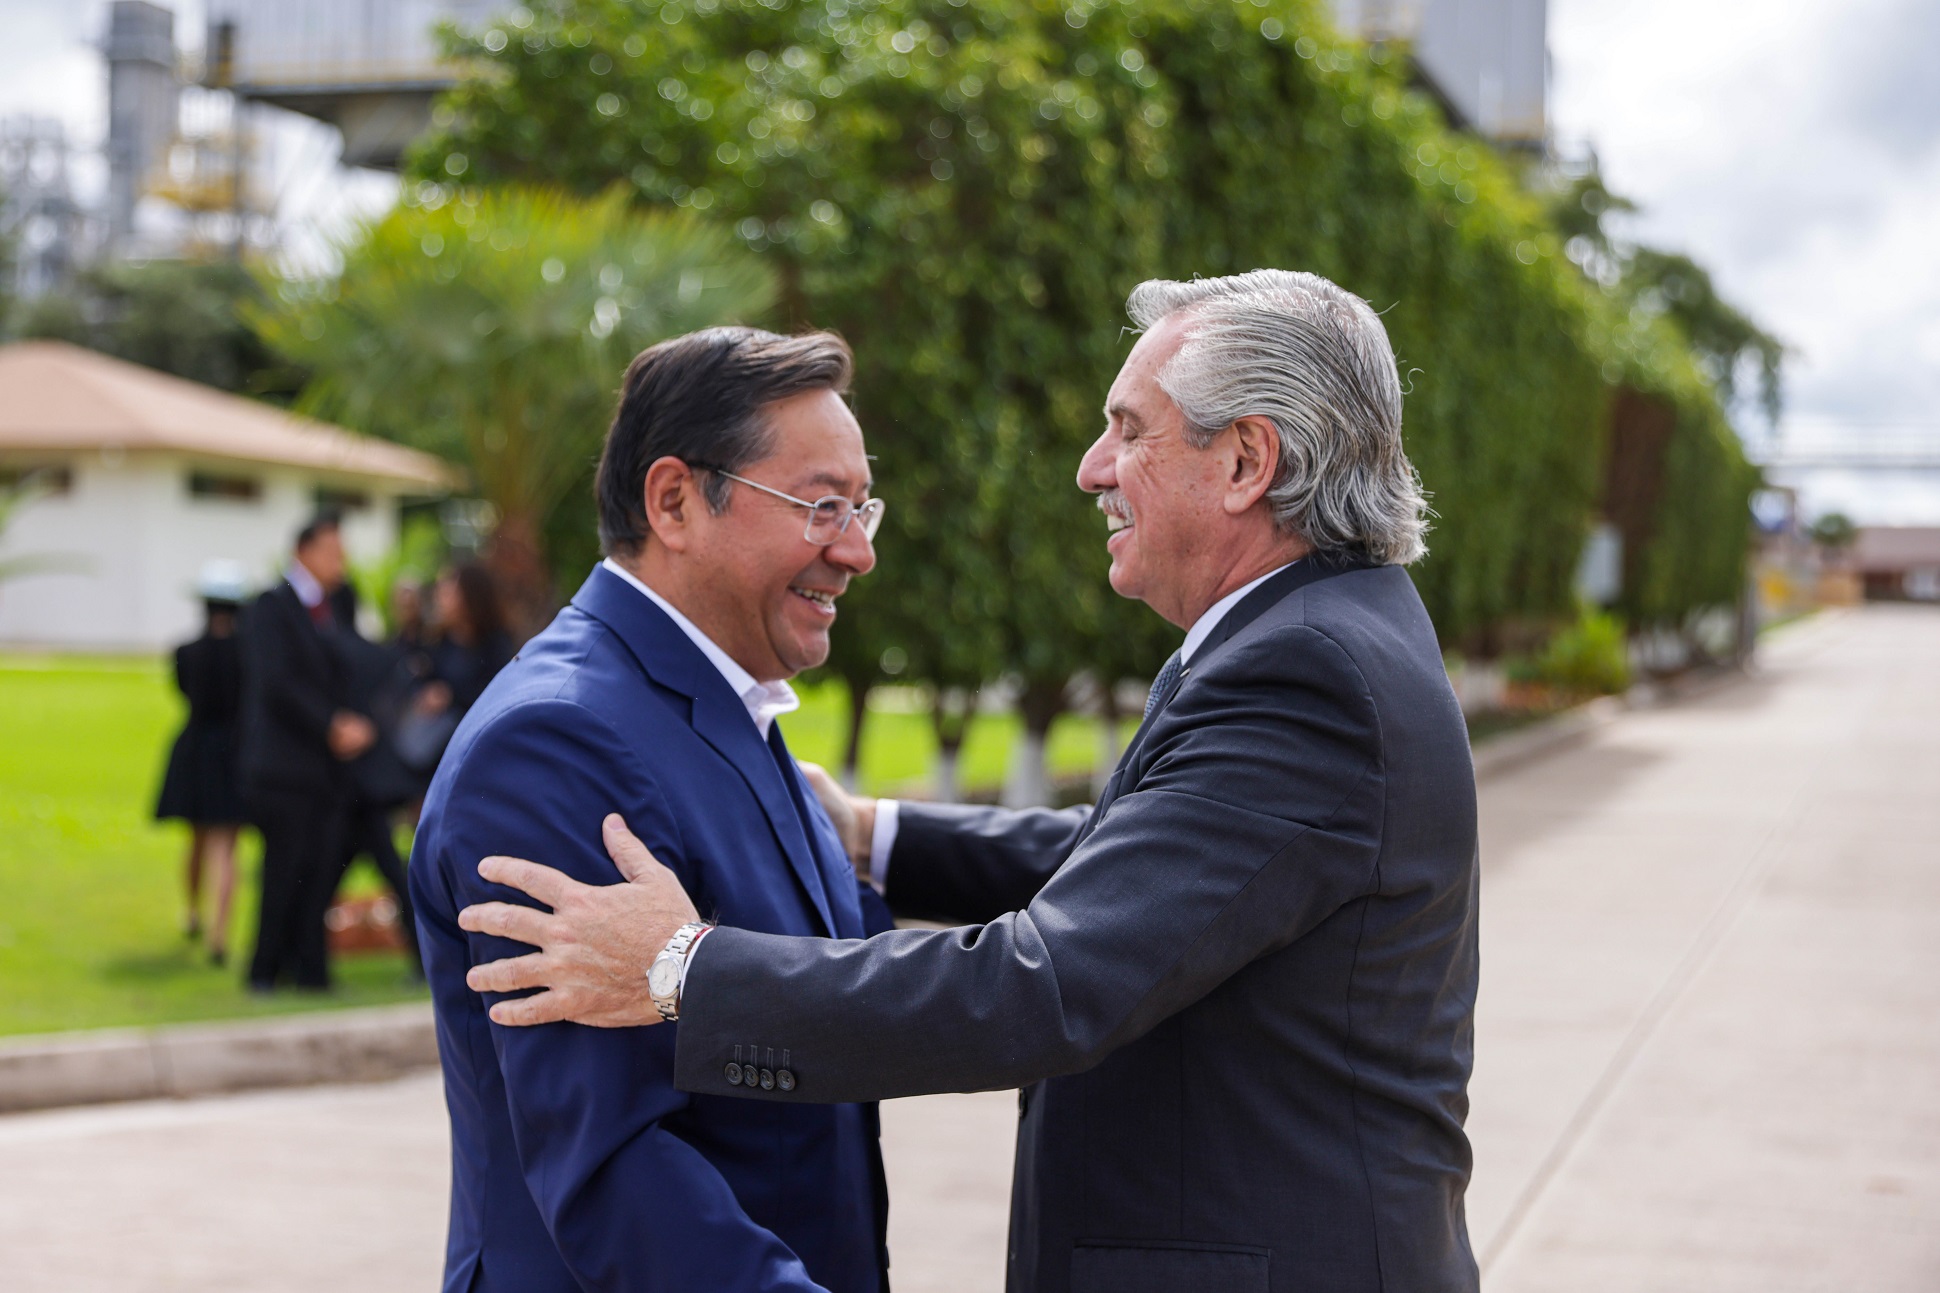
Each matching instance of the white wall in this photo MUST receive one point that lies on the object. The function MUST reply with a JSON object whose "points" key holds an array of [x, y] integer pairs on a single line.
{"points": [[138, 540]]}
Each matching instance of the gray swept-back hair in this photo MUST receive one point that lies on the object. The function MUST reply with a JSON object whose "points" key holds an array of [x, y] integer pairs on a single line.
{"points": [[1315, 361]]}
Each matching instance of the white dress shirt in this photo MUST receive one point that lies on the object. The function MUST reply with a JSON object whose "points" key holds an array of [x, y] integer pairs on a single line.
{"points": [[765, 701], [308, 590], [883, 839]]}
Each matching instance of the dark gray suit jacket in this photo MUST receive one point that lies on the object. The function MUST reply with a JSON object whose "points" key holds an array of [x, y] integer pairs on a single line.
{"points": [[1240, 991]]}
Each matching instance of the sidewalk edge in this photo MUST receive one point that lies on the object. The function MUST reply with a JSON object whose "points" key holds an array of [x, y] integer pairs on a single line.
{"points": [[1496, 754], [182, 1060]]}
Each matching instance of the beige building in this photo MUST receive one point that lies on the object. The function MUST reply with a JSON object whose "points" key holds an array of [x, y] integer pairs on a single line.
{"points": [[143, 477], [1898, 562]]}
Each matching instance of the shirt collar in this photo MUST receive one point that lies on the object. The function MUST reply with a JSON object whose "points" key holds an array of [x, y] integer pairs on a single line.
{"points": [[308, 590], [765, 701], [1203, 627]]}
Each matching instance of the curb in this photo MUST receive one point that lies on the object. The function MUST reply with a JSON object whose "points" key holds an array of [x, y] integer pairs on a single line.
{"points": [[362, 1045], [1525, 745]]}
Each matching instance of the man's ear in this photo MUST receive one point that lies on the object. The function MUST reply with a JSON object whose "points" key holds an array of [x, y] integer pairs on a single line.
{"points": [[672, 493], [1256, 462]]}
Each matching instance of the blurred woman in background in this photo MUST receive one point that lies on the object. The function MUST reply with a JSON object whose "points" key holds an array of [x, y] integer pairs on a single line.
{"points": [[199, 786], [473, 642]]}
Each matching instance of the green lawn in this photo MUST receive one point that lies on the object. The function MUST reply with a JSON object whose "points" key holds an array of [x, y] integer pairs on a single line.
{"points": [[90, 925]]}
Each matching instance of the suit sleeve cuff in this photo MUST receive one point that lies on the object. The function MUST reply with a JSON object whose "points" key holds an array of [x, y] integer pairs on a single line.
{"points": [[687, 961], [882, 842]]}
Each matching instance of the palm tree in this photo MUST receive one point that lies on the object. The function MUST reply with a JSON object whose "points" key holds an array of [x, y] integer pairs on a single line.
{"points": [[492, 328]]}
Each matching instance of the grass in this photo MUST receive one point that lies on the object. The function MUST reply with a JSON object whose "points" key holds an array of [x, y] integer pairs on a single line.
{"points": [[90, 925]]}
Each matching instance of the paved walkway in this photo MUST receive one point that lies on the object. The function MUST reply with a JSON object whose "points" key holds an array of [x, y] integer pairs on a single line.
{"points": [[1709, 1044]]}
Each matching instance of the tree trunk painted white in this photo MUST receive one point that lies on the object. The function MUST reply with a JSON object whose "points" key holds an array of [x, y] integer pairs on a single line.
{"points": [[1107, 753], [946, 774], [1027, 783]]}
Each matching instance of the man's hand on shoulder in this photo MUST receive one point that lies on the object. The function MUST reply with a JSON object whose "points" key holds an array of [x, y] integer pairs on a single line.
{"points": [[594, 946], [853, 815]]}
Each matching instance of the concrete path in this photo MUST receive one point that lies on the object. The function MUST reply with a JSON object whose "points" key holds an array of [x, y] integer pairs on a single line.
{"points": [[1708, 1045]]}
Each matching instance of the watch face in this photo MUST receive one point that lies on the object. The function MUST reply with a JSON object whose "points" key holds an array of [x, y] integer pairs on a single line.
{"points": [[663, 980]]}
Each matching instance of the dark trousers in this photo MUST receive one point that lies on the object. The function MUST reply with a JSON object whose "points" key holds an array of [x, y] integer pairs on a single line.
{"points": [[369, 832], [302, 844]]}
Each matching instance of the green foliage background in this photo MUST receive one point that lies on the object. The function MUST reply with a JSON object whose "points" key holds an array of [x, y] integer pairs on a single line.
{"points": [[493, 330], [968, 191]]}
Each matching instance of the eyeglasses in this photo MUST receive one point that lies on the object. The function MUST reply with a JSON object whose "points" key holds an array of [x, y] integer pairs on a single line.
{"points": [[828, 517]]}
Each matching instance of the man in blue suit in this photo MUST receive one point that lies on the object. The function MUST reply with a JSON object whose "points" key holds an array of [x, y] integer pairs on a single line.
{"points": [[734, 508]]}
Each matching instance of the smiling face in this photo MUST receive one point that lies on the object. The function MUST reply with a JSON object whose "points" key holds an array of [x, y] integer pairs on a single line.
{"points": [[1161, 496], [1188, 524], [749, 579]]}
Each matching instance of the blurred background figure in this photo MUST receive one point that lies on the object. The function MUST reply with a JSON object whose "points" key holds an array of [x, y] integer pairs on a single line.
{"points": [[473, 641], [410, 633], [200, 785], [298, 733], [385, 679]]}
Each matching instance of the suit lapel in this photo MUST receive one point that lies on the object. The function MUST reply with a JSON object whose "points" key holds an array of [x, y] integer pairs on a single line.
{"points": [[837, 877], [668, 656]]}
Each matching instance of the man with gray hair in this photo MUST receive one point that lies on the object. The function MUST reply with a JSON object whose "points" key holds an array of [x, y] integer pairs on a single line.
{"points": [[1238, 993]]}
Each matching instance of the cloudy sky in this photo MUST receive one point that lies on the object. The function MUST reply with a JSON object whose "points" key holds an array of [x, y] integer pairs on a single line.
{"points": [[1793, 146]]}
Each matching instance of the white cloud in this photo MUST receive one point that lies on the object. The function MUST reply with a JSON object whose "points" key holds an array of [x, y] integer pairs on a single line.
{"points": [[1794, 149]]}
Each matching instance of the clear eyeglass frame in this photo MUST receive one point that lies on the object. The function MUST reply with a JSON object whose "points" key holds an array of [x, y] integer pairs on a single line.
{"points": [[828, 517]]}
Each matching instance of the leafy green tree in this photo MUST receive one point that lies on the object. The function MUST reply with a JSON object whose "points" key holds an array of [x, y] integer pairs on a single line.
{"points": [[1724, 338], [492, 328], [1660, 283], [1834, 532], [968, 191], [184, 317]]}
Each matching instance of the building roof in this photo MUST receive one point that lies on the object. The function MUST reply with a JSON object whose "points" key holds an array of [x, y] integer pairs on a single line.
{"points": [[1896, 547], [58, 397]]}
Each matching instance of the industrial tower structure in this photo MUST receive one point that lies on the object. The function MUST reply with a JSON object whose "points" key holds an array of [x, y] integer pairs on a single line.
{"points": [[371, 68]]}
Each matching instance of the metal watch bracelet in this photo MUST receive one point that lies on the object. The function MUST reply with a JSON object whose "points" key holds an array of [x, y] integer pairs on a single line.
{"points": [[668, 1003]]}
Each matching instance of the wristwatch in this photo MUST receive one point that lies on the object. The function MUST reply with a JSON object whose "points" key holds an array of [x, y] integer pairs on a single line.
{"points": [[663, 976]]}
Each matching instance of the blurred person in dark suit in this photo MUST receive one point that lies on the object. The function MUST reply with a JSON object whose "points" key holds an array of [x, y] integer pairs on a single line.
{"points": [[200, 786], [382, 678], [297, 736]]}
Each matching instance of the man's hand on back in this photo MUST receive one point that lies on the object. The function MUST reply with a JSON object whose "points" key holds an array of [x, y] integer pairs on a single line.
{"points": [[594, 945], [853, 815]]}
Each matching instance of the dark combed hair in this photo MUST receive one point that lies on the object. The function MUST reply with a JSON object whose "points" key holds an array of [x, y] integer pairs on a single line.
{"points": [[699, 398], [327, 519]]}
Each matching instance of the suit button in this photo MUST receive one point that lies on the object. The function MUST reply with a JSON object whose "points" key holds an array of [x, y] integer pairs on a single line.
{"points": [[785, 1079], [733, 1074], [767, 1079]]}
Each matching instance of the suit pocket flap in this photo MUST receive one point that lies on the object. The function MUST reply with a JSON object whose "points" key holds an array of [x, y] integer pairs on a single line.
{"points": [[1103, 1268]]}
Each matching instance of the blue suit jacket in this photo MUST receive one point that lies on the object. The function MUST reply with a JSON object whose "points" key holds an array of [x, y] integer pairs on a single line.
{"points": [[575, 1162]]}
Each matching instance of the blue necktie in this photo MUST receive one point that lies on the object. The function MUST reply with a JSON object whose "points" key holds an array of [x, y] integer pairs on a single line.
{"points": [[1162, 685]]}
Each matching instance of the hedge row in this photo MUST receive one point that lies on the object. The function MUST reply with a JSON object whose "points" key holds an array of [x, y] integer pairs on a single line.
{"points": [[968, 190]]}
